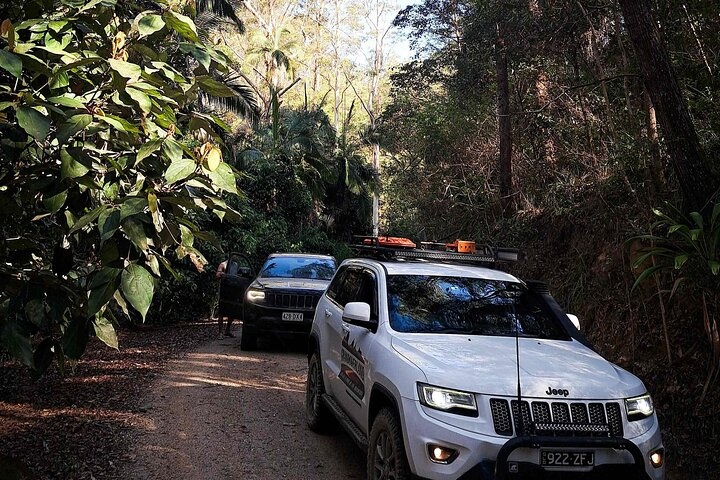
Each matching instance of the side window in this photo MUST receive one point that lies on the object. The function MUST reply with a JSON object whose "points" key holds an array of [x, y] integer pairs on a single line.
{"points": [[334, 286], [368, 292], [349, 286]]}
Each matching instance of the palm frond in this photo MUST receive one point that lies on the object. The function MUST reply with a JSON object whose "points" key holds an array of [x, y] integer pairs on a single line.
{"points": [[207, 22], [244, 103], [281, 59], [222, 8]]}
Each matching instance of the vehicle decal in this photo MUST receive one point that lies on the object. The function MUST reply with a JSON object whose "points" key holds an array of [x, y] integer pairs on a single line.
{"points": [[352, 367], [557, 391]]}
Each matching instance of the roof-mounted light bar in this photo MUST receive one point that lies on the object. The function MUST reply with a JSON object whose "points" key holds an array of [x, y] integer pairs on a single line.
{"points": [[460, 251]]}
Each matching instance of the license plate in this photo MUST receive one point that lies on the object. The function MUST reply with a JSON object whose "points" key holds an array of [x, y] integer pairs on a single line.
{"points": [[292, 317], [554, 458]]}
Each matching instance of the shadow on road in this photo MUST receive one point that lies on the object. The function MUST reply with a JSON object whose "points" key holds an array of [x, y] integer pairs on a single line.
{"points": [[221, 412]]}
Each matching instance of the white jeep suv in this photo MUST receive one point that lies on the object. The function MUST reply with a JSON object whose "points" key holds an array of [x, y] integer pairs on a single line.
{"points": [[444, 370]]}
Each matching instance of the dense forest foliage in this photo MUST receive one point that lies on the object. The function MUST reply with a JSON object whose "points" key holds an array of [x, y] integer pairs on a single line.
{"points": [[136, 148], [144, 140]]}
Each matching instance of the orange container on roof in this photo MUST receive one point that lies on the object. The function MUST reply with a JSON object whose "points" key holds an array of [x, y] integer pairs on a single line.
{"points": [[391, 242], [461, 246]]}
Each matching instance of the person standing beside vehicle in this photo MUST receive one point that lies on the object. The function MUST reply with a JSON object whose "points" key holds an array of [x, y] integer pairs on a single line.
{"points": [[219, 274]]}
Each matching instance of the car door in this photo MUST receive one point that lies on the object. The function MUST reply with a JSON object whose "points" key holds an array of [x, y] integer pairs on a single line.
{"points": [[329, 315], [355, 348]]}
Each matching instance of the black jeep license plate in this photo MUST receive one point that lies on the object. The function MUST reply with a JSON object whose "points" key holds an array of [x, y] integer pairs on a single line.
{"points": [[559, 458]]}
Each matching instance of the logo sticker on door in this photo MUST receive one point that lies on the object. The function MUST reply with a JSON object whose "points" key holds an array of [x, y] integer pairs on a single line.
{"points": [[352, 367]]}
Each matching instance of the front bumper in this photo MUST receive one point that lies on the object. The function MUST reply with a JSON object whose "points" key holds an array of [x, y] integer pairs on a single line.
{"points": [[268, 321], [487, 457]]}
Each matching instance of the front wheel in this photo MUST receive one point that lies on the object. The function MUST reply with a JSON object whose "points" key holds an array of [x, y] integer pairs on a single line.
{"points": [[315, 411], [386, 459]]}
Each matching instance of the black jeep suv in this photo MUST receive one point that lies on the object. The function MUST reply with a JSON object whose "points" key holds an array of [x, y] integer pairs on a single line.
{"points": [[281, 301]]}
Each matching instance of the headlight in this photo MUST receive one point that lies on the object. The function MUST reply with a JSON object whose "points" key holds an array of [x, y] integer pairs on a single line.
{"points": [[639, 407], [453, 401], [255, 295]]}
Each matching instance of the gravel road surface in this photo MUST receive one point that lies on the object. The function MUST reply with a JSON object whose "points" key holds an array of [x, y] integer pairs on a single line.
{"points": [[222, 413]]}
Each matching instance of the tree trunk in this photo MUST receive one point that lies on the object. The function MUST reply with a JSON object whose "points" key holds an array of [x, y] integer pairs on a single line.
{"points": [[504, 126], [542, 86], [696, 181]]}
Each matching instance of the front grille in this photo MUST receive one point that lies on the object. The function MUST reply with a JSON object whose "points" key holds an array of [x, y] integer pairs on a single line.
{"points": [[501, 416], [292, 301], [557, 418]]}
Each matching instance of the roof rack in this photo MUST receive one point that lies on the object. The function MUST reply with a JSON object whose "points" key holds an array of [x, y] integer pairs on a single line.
{"points": [[458, 252]]}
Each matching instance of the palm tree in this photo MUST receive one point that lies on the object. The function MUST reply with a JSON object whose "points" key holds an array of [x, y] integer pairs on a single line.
{"points": [[210, 16]]}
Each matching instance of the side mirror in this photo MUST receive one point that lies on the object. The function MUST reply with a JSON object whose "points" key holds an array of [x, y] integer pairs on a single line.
{"points": [[574, 319], [358, 313]]}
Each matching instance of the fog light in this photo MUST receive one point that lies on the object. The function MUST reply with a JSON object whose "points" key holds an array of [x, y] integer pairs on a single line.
{"points": [[440, 454], [657, 458]]}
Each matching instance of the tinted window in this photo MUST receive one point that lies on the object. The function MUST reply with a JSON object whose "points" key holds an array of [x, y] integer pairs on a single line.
{"points": [[299, 267], [368, 292], [427, 304], [336, 283], [349, 287]]}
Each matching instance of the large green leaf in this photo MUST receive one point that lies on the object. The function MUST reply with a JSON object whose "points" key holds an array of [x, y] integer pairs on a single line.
{"points": [[33, 122], [35, 312], [224, 177], [135, 231], [11, 63], [59, 80], [142, 99], [149, 148], [70, 167], [68, 101], [127, 70], [101, 293], [157, 215], [16, 341], [132, 206], [108, 223], [150, 24], [199, 54], [55, 202], [71, 126], [173, 150], [138, 287], [85, 220], [119, 123], [103, 276], [181, 24], [75, 338], [105, 331], [80, 63], [180, 170]]}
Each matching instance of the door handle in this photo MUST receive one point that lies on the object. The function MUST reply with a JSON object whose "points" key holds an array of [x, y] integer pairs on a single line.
{"points": [[327, 313]]}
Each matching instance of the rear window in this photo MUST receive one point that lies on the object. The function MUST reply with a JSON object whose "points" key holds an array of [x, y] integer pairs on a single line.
{"points": [[298, 267], [437, 304]]}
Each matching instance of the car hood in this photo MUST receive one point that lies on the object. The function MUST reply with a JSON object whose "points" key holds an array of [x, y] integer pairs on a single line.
{"points": [[487, 365], [291, 283]]}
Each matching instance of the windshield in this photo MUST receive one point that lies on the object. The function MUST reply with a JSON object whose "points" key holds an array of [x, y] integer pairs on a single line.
{"points": [[434, 304], [299, 267]]}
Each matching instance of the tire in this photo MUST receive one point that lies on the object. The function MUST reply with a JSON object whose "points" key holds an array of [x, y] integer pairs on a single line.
{"points": [[316, 413], [386, 459], [248, 340]]}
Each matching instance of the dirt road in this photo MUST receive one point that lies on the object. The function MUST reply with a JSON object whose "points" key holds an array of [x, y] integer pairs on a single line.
{"points": [[222, 413]]}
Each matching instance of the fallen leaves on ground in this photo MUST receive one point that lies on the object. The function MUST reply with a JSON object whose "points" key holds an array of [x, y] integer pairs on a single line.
{"points": [[79, 426]]}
